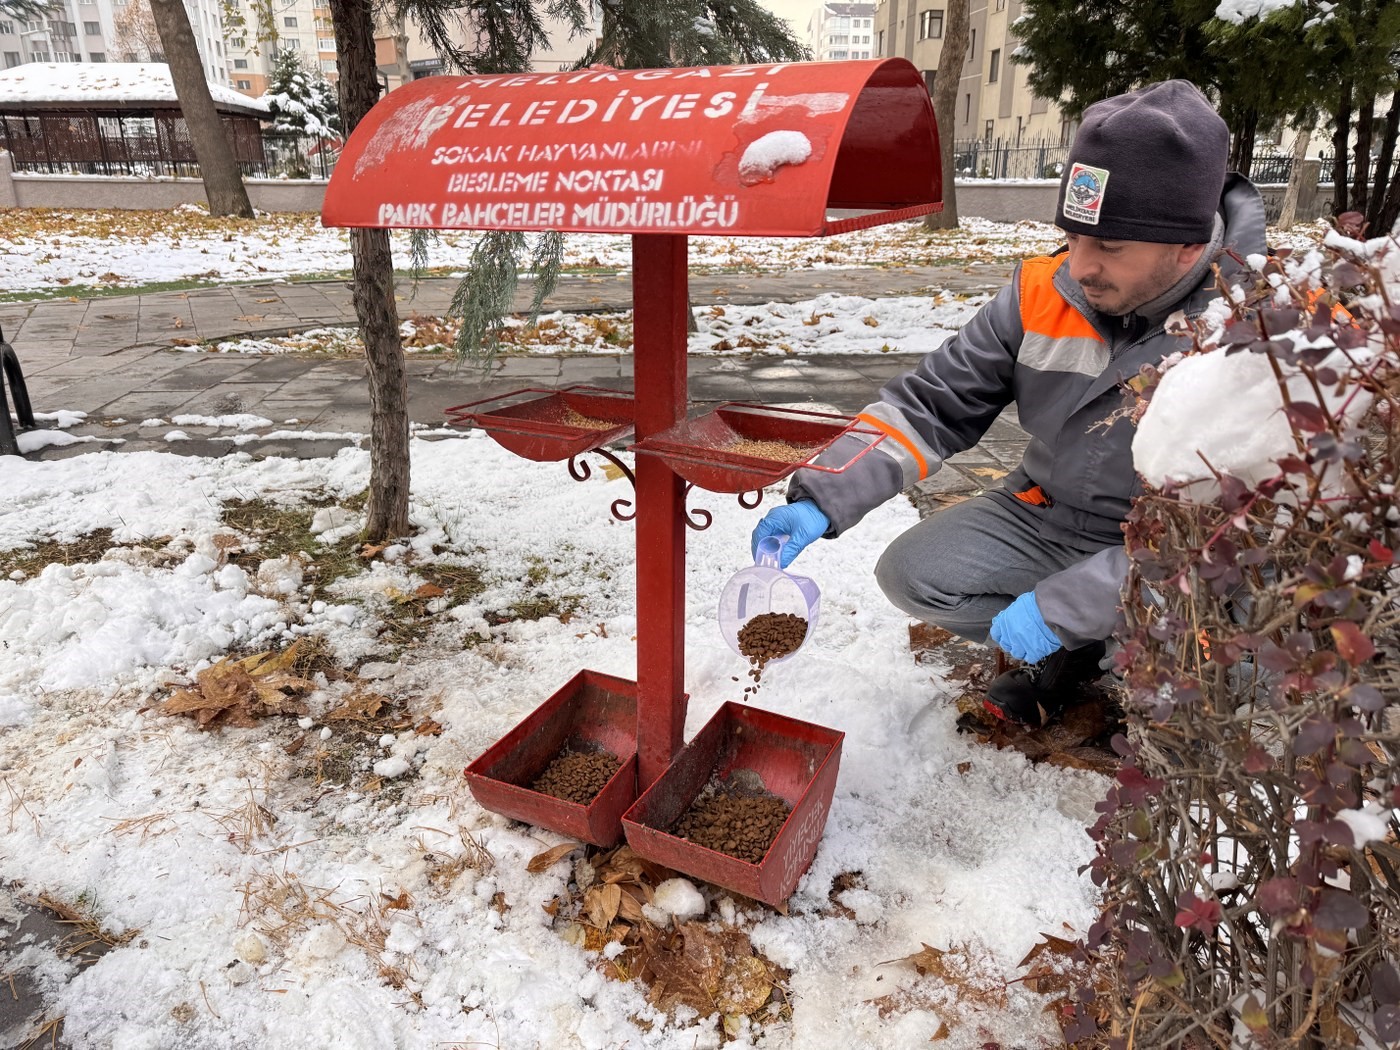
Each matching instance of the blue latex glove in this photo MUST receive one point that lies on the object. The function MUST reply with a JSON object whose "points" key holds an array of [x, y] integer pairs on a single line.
{"points": [[801, 522], [1021, 630]]}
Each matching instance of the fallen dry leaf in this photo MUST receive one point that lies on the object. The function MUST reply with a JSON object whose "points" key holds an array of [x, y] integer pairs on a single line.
{"points": [[239, 692], [543, 861], [602, 903]]}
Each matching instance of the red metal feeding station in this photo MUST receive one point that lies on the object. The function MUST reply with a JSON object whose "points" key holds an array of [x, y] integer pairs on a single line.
{"points": [[798, 150]]}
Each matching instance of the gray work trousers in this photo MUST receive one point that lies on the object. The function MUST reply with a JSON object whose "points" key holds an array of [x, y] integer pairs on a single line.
{"points": [[964, 564]]}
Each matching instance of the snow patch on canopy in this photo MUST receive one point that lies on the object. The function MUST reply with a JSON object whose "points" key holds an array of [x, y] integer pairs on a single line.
{"points": [[105, 82]]}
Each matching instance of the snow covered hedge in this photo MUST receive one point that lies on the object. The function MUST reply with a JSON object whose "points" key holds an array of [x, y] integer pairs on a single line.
{"points": [[1248, 850]]}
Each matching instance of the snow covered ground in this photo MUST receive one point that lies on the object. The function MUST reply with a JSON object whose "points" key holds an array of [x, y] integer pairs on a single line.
{"points": [[270, 905], [53, 250], [194, 838]]}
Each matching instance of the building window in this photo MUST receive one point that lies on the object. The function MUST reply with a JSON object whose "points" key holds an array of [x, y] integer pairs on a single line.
{"points": [[880, 42], [98, 56], [237, 41], [92, 28], [290, 21], [967, 108], [11, 59], [838, 55], [972, 46], [1066, 126], [243, 85], [327, 65], [1020, 121], [930, 25], [240, 63], [292, 45], [325, 44], [7, 29], [987, 131], [994, 67], [1001, 5]]}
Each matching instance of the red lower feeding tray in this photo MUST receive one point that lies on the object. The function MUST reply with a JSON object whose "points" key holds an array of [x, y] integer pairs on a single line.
{"points": [[796, 761], [550, 424], [741, 447], [592, 711]]}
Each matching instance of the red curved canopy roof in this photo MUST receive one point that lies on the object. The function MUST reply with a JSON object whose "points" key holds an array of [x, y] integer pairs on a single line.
{"points": [[765, 150]]}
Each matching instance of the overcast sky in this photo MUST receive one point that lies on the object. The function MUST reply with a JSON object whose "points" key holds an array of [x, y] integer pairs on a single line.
{"points": [[795, 11]]}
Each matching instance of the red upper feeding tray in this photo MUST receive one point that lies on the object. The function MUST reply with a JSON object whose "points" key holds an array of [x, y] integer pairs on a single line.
{"points": [[550, 424], [741, 447]]}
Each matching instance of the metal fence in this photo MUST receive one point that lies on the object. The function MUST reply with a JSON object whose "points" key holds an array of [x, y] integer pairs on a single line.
{"points": [[1008, 159], [152, 145], [1044, 159], [1267, 168]]}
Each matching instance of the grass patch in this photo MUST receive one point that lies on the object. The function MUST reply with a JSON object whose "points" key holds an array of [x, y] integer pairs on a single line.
{"points": [[33, 559], [108, 291], [280, 531]]}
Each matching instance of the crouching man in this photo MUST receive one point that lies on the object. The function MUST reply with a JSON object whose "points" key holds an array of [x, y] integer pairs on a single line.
{"points": [[1038, 565]]}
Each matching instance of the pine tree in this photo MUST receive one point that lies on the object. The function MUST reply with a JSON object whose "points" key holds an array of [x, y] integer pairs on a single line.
{"points": [[300, 102], [506, 35], [1253, 69], [635, 34]]}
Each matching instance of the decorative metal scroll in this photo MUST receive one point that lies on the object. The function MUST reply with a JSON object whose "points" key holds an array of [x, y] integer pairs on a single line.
{"points": [[580, 470], [699, 519]]}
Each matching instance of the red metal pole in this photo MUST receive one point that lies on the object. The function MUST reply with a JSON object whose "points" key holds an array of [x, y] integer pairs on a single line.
{"points": [[660, 298]]}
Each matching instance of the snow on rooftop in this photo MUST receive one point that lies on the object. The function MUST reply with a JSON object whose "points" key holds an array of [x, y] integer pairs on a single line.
{"points": [[104, 82]]}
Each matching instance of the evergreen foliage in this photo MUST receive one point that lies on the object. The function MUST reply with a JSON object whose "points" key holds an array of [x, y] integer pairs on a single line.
{"points": [[301, 102], [1291, 63], [24, 10], [635, 34]]}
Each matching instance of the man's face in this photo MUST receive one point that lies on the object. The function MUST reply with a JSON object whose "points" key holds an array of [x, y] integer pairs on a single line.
{"points": [[1119, 276]]}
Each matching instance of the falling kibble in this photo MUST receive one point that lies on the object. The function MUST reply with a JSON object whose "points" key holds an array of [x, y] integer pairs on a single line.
{"points": [[770, 636]]}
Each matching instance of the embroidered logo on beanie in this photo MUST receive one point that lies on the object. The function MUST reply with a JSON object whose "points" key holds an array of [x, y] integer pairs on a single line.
{"points": [[1084, 194]]}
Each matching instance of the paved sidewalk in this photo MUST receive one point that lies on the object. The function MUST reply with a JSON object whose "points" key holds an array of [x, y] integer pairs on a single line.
{"points": [[116, 359]]}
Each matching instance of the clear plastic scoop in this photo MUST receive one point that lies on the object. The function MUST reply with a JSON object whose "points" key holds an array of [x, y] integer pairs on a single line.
{"points": [[764, 588]]}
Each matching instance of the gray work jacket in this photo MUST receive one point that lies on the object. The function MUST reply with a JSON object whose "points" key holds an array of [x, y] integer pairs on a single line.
{"points": [[1040, 344]]}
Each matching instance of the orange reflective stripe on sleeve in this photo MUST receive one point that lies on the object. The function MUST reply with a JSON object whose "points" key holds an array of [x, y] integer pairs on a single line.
{"points": [[1035, 496], [905, 443]]}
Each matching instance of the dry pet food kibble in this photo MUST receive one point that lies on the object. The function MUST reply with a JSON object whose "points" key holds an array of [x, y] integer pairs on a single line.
{"points": [[741, 825], [576, 776], [575, 418], [770, 636], [777, 450]]}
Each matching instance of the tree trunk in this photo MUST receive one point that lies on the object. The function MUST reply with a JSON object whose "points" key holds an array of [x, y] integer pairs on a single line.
{"points": [[387, 513], [1361, 158], [945, 102], [223, 184], [1288, 214], [1341, 133], [1242, 146], [1385, 180], [1390, 210]]}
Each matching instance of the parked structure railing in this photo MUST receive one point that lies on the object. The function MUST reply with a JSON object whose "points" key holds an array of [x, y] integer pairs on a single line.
{"points": [[153, 146]]}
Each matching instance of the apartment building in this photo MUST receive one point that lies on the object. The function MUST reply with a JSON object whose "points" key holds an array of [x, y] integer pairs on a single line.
{"points": [[994, 102], [108, 31], [303, 26], [841, 31]]}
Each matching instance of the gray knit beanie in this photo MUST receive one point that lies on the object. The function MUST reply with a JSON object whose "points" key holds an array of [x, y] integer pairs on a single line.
{"points": [[1148, 165]]}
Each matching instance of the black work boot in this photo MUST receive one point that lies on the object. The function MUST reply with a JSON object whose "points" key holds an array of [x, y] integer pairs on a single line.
{"points": [[1036, 693]]}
